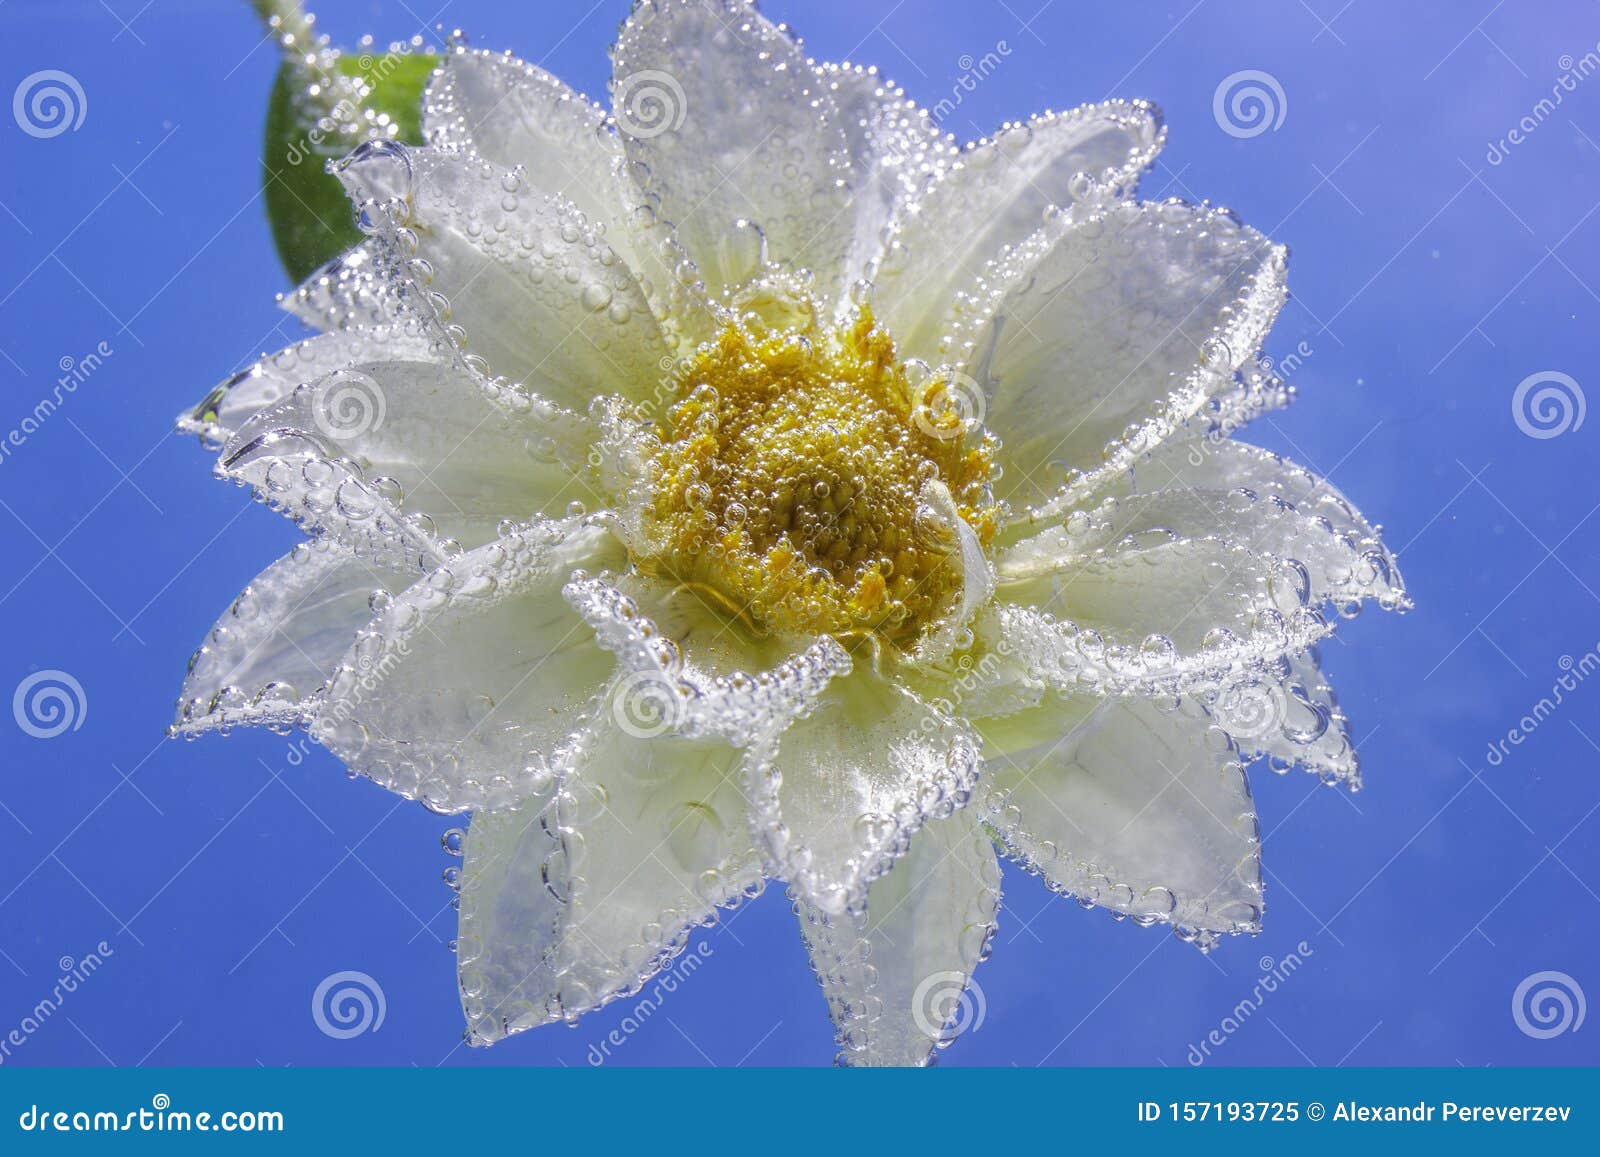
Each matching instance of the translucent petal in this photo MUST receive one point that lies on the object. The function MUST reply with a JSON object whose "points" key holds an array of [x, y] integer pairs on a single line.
{"points": [[997, 196], [895, 149], [724, 120], [266, 659], [462, 688], [421, 436], [517, 115], [350, 290], [836, 796], [1103, 340], [1292, 717], [232, 403], [938, 509], [685, 667], [564, 911], [522, 278], [1142, 810], [1231, 465], [897, 976], [1337, 566], [1155, 620]]}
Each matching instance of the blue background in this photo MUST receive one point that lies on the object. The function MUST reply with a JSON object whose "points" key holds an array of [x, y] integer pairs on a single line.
{"points": [[230, 876]]}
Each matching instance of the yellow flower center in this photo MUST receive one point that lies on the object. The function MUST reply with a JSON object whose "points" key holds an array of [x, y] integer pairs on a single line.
{"points": [[791, 469]]}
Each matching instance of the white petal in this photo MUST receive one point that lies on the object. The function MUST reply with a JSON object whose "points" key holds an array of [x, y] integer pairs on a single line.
{"points": [[562, 912], [522, 277], [463, 687], [1158, 620], [266, 660], [997, 196], [938, 509], [836, 796], [424, 437], [228, 406], [1337, 566], [1231, 465], [1107, 340], [1291, 716], [896, 976], [1140, 810], [724, 120], [894, 147], [685, 667], [517, 115], [348, 291]]}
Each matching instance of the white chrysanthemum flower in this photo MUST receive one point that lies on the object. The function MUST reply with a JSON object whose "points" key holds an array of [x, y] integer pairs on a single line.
{"points": [[756, 485]]}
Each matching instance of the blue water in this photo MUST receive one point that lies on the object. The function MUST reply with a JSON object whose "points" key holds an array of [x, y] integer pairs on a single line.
{"points": [[227, 878]]}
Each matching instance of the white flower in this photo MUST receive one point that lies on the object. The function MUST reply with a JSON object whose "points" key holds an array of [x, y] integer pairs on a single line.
{"points": [[914, 527]]}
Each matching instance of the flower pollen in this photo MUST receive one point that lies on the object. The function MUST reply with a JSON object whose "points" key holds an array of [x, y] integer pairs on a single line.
{"points": [[790, 474]]}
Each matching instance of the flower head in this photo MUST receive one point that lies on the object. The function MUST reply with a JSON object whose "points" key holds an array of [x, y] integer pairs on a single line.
{"points": [[752, 484]]}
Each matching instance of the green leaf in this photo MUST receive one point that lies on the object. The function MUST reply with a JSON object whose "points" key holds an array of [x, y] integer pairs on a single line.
{"points": [[310, 214]]}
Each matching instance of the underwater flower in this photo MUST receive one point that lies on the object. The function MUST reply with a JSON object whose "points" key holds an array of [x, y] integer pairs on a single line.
{"points": [[752, 484]]}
